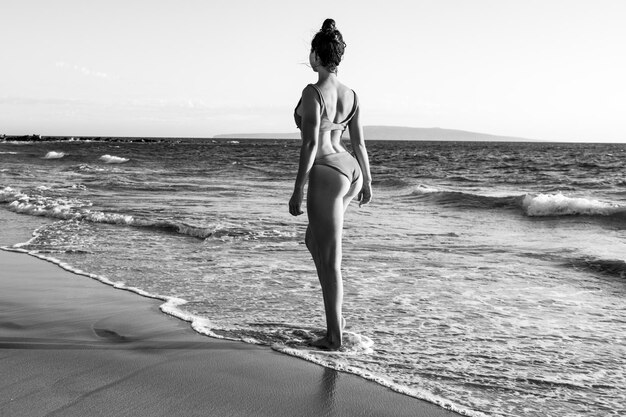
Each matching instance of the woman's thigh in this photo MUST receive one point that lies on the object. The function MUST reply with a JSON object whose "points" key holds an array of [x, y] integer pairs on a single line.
{"points": [[325, 202]]}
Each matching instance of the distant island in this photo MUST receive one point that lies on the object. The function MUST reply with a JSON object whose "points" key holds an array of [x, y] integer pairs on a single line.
{"points": [[434, 134], [395, 133]]}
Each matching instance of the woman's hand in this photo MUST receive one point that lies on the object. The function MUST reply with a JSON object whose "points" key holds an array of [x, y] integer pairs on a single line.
{"points": [[295, 203], [365, 196]]}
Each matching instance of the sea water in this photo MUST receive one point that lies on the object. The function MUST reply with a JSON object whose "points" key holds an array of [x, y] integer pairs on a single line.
{"points": [[489, 278]]}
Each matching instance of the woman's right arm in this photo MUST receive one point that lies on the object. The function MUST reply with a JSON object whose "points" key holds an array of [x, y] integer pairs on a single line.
{"points": [[308, 150], [360, 151]]}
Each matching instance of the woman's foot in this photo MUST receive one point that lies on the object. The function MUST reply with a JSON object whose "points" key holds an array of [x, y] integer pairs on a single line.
{"points": [[326, 343], [330, 343]]}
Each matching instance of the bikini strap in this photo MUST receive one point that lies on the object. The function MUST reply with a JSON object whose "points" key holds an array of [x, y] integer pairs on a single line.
{"points": [[355, 107], [319, 93], [336, 126]]}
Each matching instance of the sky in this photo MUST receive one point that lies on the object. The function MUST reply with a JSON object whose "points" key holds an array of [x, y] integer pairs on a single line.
{"points": [[551, 70]]}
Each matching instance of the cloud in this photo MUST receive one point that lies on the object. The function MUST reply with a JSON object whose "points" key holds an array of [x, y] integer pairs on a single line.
{"points": [[82, 70]]}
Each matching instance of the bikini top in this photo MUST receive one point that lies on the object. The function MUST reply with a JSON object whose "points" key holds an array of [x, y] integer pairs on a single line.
{"points": [[325, 123]]}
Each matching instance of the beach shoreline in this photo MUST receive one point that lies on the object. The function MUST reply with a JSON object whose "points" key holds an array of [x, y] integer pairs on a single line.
{"points": [[71, 344]]}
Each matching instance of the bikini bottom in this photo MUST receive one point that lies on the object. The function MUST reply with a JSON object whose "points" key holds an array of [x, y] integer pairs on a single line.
{"points": [[342, 162]]}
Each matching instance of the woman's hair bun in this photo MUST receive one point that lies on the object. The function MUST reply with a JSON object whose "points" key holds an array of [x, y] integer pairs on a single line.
{"points": [[328, 44], [329, 25]]}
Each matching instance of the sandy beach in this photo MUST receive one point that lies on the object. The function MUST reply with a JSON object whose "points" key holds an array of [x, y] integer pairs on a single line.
{"points": [[72, 346]]}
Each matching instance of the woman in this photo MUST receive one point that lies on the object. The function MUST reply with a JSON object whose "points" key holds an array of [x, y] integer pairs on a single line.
{"points": [[335, 176]]}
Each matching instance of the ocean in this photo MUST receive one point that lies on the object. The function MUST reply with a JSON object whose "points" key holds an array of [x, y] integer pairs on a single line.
{"points": [[489, 278]]}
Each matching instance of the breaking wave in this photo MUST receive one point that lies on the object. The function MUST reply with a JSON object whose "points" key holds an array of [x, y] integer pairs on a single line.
{"points": [[532, 205], [463, 200], [79, 210], [54, 155], [560, 205], [110, 159]]}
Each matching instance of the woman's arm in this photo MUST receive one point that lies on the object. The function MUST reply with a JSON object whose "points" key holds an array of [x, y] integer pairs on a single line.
{"points": [[360, 151], [310, 136]]}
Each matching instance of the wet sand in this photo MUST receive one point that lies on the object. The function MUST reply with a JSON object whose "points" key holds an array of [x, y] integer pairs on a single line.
{"points": [[72, 346]]}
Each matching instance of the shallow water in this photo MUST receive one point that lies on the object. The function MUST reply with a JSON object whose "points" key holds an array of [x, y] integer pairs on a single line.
{"points": [[489, 278]]}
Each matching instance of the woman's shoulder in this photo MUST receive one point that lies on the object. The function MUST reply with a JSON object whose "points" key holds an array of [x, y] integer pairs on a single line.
{"points": [[310, 90], [311, 93], [345, 91], [347, 94]]}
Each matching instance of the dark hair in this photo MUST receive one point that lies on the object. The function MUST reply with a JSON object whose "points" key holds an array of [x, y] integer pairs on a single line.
{"points": [[328, 44]]}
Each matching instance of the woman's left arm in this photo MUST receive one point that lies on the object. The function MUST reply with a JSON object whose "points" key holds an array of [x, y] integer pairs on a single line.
{"points": [[358, 146], [310, 136]]}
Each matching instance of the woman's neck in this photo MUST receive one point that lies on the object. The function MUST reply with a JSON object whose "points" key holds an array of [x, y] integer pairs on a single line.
{"points": [[323, 74]]}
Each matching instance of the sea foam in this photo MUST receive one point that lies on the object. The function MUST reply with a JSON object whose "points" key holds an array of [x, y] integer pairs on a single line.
{"points": [[76, 209], [533, 205], [355, 343], [110, 159], [362, 345], [54, 155], [425, 189], [560, 205], [8, 194]]}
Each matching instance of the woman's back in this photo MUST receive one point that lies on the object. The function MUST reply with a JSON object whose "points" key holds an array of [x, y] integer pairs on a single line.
{"points": [[337, 105]]}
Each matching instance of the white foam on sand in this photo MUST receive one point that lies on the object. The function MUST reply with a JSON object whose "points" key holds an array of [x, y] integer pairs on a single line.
{"points": [[297, 346], [353, 343], [359, 344], [170, 307]]}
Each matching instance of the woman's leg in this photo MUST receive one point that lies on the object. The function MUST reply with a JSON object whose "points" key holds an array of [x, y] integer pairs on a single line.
{"points": [[312, 246], [325, 207]]}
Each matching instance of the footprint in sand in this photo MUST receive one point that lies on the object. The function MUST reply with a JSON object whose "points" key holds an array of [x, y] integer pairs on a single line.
{"points": [[111, 336]]}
